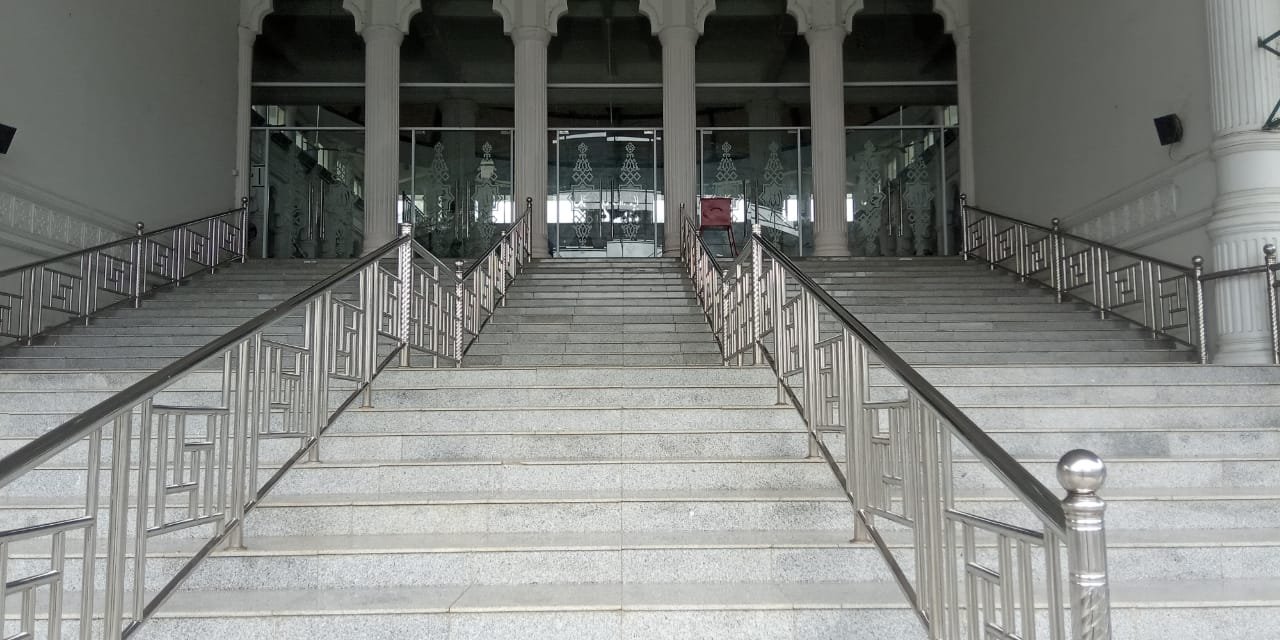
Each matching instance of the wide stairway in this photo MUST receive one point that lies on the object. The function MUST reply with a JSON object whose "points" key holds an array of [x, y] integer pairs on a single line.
{"points": [[561, 486], [1193, 452]]}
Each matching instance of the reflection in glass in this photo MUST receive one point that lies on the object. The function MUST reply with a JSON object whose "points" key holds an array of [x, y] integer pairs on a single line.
{"points": [[897, 182], [764, 173], [459, 183], [311, 186], [605, 194]]}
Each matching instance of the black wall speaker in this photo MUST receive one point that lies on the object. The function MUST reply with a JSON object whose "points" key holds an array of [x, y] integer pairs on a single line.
{"points": [[1169, 128], [6, 137]]}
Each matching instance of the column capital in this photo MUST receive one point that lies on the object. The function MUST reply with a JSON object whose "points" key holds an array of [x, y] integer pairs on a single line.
{"points": [[666, 14], [252, 12], [522, 15], [955, 15], [820, 15], [382, 13]]}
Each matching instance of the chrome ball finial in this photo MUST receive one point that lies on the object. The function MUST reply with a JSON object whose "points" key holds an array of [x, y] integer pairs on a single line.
{"points": [[1081, 471], [1197, 261], [1269, 250]]}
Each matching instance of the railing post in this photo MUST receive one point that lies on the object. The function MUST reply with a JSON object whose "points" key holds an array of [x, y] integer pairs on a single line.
{"points": [[1269, 255], [964, 226], [1082, 473], [404, 270], [458, 302], [139, 270], [118, 532], [244, 230], [1055, 252], [757, 296], [1197, 273], [241, 422]]}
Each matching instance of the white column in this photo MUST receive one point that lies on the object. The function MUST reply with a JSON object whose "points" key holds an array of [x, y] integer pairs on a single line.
{"points": [[244, 106], [382, 132], [679, 131], [826, 97], [1245, 84], [531, 129]]}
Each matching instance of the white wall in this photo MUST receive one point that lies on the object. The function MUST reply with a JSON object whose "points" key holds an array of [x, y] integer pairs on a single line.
{"points": [[125, 111], [1064, 97]]}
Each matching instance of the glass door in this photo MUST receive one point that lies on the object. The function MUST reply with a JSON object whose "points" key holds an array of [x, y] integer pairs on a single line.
{"points": [[605, 200], [459, 180]]}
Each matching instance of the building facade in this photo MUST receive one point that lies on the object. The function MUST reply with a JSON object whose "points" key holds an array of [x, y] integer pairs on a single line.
{"points": [[844, 127]]}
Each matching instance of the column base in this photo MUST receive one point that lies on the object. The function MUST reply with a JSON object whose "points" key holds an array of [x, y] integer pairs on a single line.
{"points": [[831, 250], [1244, 350]]}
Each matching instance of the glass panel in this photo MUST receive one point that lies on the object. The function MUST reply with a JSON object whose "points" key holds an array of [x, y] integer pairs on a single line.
{"points": [[312, 195], [604, 107], [765, 176], [604, 194], [460, 183], [896, 186], [347, 111], [467, 107]]}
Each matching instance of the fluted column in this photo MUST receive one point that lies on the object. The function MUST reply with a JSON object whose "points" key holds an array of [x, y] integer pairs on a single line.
{"points": [[1245, 84], [531, 129], [531, 25], [964, 87], [679, 131], [382, 132], [826, 98]]}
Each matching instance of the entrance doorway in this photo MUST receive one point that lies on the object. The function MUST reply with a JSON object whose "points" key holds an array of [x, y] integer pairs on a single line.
{"points": [[606, 201]]}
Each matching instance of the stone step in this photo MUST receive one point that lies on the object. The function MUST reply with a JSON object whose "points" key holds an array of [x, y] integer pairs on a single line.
{"points": [[548, 612], [1050, 357], [594, 337], [592, 360], [614, 345]]}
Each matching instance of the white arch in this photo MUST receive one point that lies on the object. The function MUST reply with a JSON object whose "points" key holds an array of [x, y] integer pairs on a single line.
{"points": [[253, 12], [398, 12], [659, 16], [955, 13], [811, 14]]}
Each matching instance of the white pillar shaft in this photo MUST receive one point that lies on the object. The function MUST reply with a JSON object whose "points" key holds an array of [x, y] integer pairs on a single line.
{"points": [[244, 105], [382, 133], [531, 129], [826, 97], [679, 136], [964, 86], [1245, 83]]}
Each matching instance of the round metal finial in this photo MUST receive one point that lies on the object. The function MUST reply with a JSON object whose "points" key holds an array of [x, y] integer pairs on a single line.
{"points": [[1269, 251], [964, 197], [1056, 221], [528, 201], [1197, 261], [1081, 471], [244, 201], [139, 226]]}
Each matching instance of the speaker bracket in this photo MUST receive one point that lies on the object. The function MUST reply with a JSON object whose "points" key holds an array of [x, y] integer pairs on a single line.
{"points": [[1272, 43]]}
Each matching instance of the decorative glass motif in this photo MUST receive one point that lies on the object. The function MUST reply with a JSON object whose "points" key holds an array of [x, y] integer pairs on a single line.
{"points": [[870, 186], [772, 193], [630, 182], [583, 181], [439, 193], [486, 193], [727, 181], [629, 175], [917, 195]]}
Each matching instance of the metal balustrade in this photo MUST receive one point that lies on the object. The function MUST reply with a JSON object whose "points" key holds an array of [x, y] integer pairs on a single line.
{"points": [[1165, 298], [1157, 295], [1017, 563], [158, 471], [1269, 271], [39, 296]]}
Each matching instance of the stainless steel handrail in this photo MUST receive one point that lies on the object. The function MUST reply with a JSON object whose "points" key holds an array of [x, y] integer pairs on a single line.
{"points": [[1114, 281], [1270, 269], [80, 284], [178, 468], [897, 464]]}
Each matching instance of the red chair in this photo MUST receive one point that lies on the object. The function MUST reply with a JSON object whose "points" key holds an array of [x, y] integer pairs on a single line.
{"points": [[717, 215]]}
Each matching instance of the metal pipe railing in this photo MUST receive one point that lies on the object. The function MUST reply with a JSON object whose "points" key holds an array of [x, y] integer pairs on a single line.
{"points": [[976, 568], [202, 468], [40, 296], [1166, 298]]}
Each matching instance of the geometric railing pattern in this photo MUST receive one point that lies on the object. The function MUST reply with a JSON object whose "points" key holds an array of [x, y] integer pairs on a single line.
{"points": [[178, 459], [981, 548], [39, 296]]}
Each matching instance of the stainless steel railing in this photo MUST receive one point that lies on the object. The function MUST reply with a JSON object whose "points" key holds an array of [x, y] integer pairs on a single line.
{"points": [[1270, 270], [986, 553], [41, 295], [192, 471], [1157, 295]]}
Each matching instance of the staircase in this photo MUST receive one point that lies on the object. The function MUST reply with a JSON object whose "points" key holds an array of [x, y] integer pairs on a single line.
{"points": [[600, 312], [1193, 452], [172, 323], [592, 472]]}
